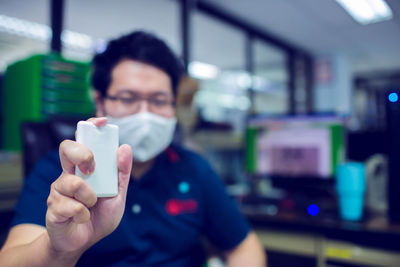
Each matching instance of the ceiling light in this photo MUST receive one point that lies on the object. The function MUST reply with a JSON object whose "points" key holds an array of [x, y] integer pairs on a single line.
{"points": [[77, 40], [24, 28], [42, 32], [202, 70], [367, 11]]}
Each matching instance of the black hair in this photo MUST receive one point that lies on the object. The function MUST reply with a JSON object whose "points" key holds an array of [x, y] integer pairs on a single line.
{"points": [[140, 46]]}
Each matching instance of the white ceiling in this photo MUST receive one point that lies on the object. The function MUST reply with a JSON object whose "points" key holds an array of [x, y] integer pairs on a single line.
{"points": [[320, 26], [100, 19], [323, 27]]}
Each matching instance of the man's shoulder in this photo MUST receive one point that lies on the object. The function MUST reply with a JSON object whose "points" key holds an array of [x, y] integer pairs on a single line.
{"points": [[48, 166], [50, 158], [53, 156]]}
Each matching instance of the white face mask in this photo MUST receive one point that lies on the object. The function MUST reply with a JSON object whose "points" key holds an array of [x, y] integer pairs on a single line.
{"points": [[148, 134]]}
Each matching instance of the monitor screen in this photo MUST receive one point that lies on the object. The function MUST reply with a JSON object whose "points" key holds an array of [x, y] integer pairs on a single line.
{"points": [[296, 146]]}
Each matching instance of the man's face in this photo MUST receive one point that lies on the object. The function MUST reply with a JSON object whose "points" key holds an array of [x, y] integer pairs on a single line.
{"points": [[137, 87]]}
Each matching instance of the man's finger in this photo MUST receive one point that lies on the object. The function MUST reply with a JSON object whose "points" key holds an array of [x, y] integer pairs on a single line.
{"points": [[75, 187], [99, 122], [124, 168], [72, 154], [62, 208]]}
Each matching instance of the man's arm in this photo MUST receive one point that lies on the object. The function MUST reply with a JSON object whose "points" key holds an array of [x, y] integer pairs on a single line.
{"points": [[248, 253], [28, 245], [75, 218]]}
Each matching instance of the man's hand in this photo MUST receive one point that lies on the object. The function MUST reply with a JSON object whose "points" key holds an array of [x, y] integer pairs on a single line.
{"points": [[76, 218]]}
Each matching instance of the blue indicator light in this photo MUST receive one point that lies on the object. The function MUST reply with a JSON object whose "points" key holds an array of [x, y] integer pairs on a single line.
{"points": [[313, 209], [393, 97]]}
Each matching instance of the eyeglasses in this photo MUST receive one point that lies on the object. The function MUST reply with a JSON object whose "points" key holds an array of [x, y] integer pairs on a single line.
{"points": [[158, 102]]}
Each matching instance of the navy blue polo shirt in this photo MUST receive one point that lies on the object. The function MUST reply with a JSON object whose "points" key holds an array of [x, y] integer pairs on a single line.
{"points": [[168, 212]]}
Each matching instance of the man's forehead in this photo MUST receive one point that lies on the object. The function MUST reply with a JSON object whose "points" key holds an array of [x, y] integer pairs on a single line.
{"points": [[139, 77], [138, 67]]}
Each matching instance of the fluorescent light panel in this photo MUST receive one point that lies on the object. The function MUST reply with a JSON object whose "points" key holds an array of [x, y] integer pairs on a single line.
{"points": [[367, 11], [202, 70], [43, 32]]}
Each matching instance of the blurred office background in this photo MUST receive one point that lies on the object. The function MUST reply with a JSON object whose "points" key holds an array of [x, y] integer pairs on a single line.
{"points": [[258, 72]]}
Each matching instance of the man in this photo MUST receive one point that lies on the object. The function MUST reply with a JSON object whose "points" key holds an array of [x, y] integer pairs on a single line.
{"points": [[173, 197]]}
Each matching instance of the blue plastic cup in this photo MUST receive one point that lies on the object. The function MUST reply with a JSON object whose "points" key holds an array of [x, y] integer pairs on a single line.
{"points": [[350, 187]]}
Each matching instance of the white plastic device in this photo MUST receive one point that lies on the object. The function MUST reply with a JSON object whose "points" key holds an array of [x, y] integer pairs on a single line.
{"points": [[103, 142]]}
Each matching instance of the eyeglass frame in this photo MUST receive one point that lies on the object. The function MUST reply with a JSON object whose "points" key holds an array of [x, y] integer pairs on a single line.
{"points": [[136, 99]]}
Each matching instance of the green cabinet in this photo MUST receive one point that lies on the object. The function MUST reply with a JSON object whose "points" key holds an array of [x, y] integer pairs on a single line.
{"points": [[40, 87]]}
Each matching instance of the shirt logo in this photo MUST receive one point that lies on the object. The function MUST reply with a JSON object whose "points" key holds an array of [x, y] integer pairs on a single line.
{"points": [[184, 187], [180, 206]]}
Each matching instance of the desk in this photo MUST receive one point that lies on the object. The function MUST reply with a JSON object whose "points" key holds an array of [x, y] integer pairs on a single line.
{"points": [[10, 180], [330, 243]]}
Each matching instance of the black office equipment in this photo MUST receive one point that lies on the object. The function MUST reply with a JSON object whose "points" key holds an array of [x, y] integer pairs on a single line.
{"points": [[393, 145]]}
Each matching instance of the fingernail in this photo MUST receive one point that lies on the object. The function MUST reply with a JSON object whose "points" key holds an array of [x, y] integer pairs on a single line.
{"points": [[91, 168]]}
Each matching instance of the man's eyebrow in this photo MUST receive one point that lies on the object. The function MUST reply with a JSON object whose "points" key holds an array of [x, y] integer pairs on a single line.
{"points": [[160, 93], [124, 91]]}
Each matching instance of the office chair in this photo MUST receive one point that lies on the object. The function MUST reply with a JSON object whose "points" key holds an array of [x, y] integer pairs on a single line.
{"points": [[39, 138]]}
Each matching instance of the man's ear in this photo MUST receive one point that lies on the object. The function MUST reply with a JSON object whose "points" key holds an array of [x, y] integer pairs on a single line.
{"points": [[98, 101]]}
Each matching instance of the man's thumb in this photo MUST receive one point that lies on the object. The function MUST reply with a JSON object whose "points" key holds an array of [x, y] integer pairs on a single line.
{"points": [[124, 167]]}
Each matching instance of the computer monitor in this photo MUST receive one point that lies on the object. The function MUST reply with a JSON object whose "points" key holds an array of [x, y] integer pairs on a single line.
{"points": [[295, 146]]}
